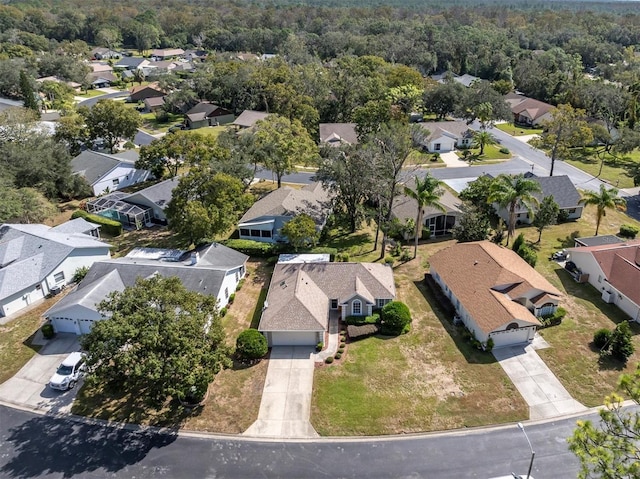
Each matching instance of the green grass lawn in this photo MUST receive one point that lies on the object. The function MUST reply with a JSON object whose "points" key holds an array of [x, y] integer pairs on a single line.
{"points": [[153, 126], [424, 158], [213, 131], [90, 94], [491, 152], [618, 172], [517, 130]]}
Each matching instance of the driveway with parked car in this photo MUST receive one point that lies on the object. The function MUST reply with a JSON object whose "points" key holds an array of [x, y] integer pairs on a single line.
{"points": [[30, 386]]}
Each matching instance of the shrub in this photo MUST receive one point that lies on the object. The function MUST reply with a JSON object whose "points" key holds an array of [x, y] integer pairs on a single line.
{"points": [[553, 319], [342, 257], [251, 345], [223, 312], [504, 150], [359, 320], [110, 227], [341, 350], [405, 255], [240, 283], [338, 355], [563, 216], [232, 298], [518, 242], [319, 346], [396, 318], [47, 330], [601, 338], [621, 345], [528, 254], [628, 231], [329, 360], [489, 346], [343, 344], [389, 261], [435, 157], [359, 332], [426, 233], [80, 273], [250, 247]]}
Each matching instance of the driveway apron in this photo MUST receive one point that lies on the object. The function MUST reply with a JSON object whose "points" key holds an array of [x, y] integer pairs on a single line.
{"points": [[539, 387], [286, 398]]}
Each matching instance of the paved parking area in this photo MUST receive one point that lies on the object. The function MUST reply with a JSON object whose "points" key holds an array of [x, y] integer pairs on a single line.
{"points": [[286, 398], [539, 387], [29, 387]]}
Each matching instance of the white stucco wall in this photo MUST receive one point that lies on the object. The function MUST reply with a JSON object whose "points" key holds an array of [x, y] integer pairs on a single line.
{"points": [[126, 175], [77, 259], [446, 144], [22, 299], [229, 283]]}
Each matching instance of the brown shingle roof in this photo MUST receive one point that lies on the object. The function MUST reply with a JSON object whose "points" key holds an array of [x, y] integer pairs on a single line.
{"points": [[300, 293], [487, 279], [287, 201]]}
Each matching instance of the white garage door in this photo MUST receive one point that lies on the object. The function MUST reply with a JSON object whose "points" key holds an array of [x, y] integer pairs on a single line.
{"points": [[510, 337], [64, 325], [85, 325], [294, 338]]}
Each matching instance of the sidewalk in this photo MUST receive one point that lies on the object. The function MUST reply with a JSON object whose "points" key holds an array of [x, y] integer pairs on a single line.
{"points": [[334, 339]]}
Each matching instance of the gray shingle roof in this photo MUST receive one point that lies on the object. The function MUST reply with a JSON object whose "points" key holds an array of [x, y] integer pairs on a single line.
{"points": [[248, 118], [92, 165], [456, 129], [560, 187], [130, 62], [405, 208], [333, 133], [300, 293], [77, 225], [287, 201], [29, 253], [159, 194], [599, 240]]}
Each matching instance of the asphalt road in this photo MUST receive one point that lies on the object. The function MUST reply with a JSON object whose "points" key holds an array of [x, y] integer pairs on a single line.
{"points": [[34, 446], [89, 102]]}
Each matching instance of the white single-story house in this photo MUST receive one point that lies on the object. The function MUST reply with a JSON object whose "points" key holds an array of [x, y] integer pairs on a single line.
{"points": [[614, 270], [34, 259], [495, 293], [304, 295], [437, 222], [213, 270], [263, 221], [446, 136], [106, 173], [564, 194]]}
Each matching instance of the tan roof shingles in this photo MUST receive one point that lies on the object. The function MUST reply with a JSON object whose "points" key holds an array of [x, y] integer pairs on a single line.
{"points": [[299, 293], [473, 271]]}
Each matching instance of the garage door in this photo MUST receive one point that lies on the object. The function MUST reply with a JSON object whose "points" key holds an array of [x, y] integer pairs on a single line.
{"points": [[510, 337], [294, 338], [85, 325], [64, 325]]}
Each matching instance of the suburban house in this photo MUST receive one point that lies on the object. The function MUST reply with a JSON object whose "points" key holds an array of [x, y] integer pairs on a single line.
{"points": [[101, 79], [106, 173], [208, 114], [563, 192], [447, 136], [161, 54], [263, 221], [78, 226], [336, 134], [193, 55], [37, 259], [303, 296], [437, 222], [153, 104], [248, 118], [100, 67], [213, 270], [142, 92], [142, 208], [71, 84], [101, 53], [495, 293], [597, 240], [527, 111], [132, 63], [614, 270]]}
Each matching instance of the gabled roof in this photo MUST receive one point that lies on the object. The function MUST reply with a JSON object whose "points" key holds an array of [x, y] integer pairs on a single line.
{"points": [[600, 240], [338, 133], [159, 194], [29, 253], [167, 52], [287, 201], [248, 118], [154, 101], [620, 264], [131, 62], [300, 293], [452, 129], [560, 187], [151, 86], [522, 105], [488, 279], [405, 207], [205, 109], [93, 165], [77, 225]]}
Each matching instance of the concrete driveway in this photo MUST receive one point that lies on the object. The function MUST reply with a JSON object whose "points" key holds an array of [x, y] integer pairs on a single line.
{"points": [[539, 387], [286, 398], [29, 387]]}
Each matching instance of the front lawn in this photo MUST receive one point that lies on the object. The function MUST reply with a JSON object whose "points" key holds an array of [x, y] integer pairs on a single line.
{"points": [[518, 130], [422, 158], [150, 123], [427, 380], [213, 131], [491, 152], [618, 172]]}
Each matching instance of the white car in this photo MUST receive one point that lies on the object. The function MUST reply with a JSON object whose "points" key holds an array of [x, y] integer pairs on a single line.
{"points": [[69, 372]]}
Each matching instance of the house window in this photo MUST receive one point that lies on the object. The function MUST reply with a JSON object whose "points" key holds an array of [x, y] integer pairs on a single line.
{"points": [[334, 304], [59, 277], [237, 276], [265, 233], [226, 293], [115, 182], [38, 287], [255, 233], [244, 232], [572, 210], [356, 307], [381, 302], [436, 146]]}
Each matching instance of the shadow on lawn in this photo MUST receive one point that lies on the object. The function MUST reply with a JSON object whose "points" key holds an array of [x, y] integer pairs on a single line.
{"points": [[66, 448], [444, 313]]}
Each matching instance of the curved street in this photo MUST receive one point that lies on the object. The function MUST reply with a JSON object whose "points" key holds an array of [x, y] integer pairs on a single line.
{"points": [[35, 446]]}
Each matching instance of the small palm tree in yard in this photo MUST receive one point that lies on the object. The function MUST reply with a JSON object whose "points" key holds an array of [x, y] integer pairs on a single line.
{"points": [[513, 192], [483, 138], [603, 200], [426, 193]]}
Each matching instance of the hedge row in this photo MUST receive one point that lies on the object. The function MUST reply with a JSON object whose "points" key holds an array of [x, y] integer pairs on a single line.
{"points": [[360, 320], [257, 248], [109, 227], [363, 331]]}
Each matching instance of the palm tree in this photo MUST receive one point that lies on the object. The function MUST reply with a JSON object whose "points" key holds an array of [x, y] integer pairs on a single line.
{"points": [[426, 193], [604, 199], [513, 192], [483, 138]]}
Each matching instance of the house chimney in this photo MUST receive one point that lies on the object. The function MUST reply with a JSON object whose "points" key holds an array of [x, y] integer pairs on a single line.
{"points": [[195, 257]]}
